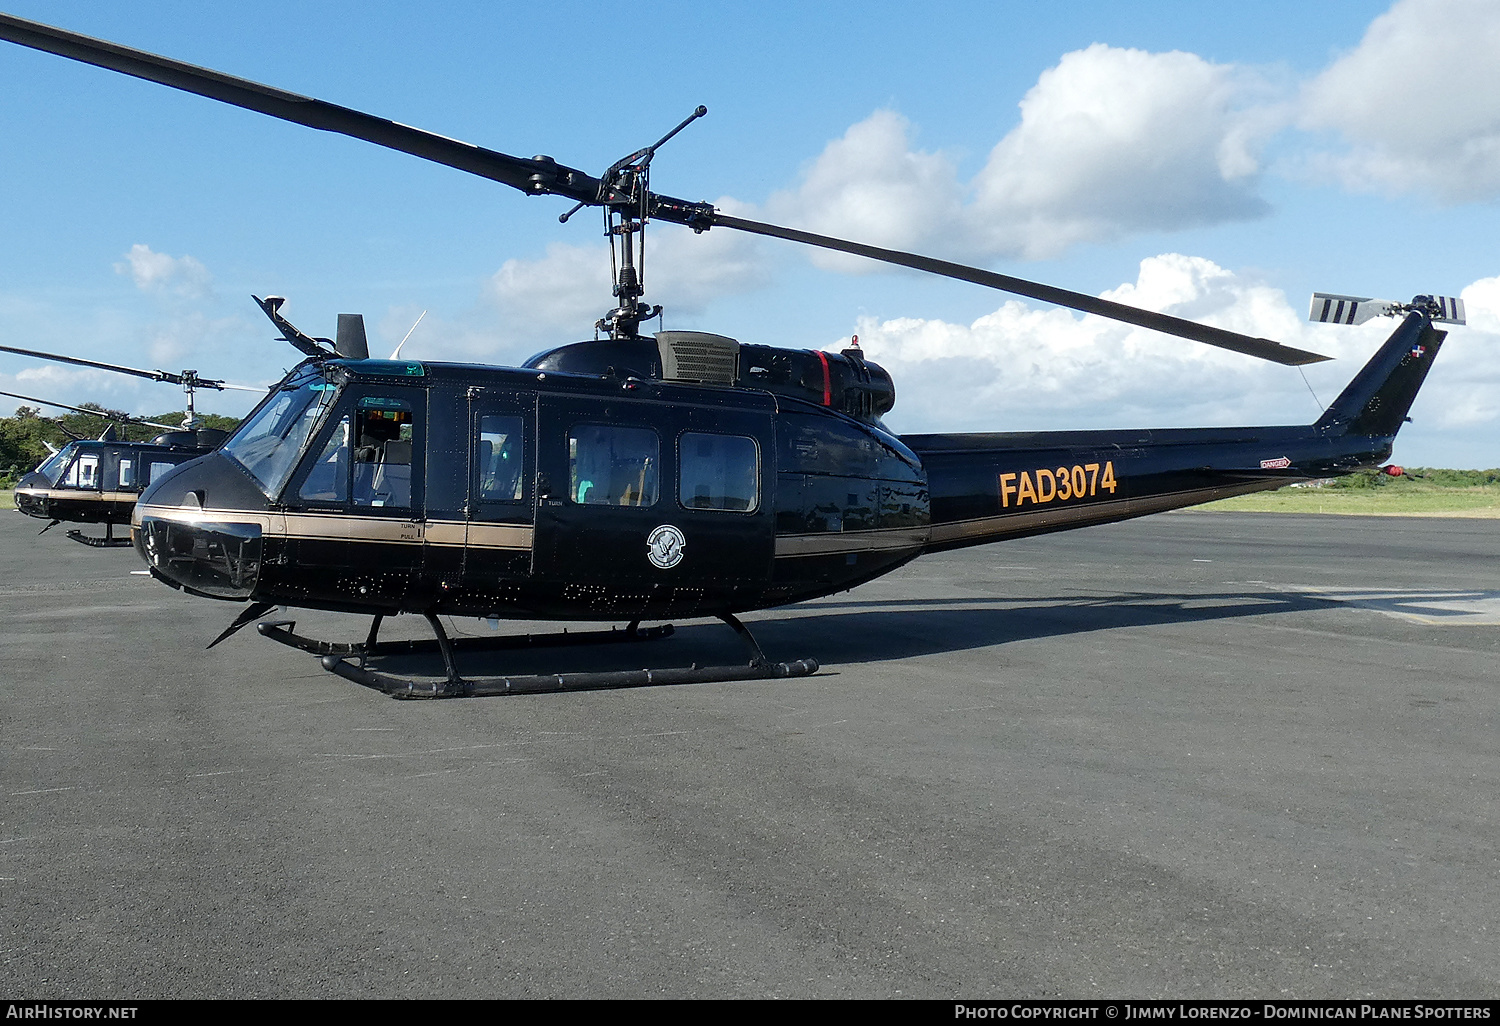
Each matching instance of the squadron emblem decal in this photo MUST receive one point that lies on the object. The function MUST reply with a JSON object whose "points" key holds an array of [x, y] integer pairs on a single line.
{"points": [[665, 546]]}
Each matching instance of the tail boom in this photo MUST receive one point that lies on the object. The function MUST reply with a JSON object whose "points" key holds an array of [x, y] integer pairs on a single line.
{"points": [[993, 486]]}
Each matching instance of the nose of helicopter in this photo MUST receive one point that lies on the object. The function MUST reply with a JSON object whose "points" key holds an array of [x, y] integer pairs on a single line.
{"points": [[209, 557], [31, 495], [205, 551]]}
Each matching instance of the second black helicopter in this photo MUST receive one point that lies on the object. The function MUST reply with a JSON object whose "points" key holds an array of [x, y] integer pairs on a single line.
{"points": [[97, 481]]}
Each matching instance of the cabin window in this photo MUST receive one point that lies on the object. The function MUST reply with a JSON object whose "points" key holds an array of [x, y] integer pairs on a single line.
{"points": [[498, 458], [156, 470], [717, 472], [84, 473], [127, 473], [612, 466]]}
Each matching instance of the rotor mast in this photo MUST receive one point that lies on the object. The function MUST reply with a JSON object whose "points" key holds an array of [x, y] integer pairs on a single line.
{"points": [[625, 194]]}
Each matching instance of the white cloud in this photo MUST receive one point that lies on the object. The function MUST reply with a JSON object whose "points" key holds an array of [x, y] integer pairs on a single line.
{"points": [[1417, 102], [871, 186], [1114, 140], [1471, 400], [166, 275], [568, 287], [685, 272], [1110, 141]]}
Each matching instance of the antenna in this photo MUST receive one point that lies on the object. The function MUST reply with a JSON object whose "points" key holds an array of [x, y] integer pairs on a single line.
{"points": [[397, 351]]}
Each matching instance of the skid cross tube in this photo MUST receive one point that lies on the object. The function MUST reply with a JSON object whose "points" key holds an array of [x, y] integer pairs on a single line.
{"points": [[109, 541]]}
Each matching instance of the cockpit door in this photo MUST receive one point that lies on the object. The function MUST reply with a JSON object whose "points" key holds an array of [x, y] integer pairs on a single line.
{"points": [[354, 506]]}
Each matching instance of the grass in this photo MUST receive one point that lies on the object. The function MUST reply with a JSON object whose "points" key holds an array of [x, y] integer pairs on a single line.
{"points": [[1421, 492], [7, 498]]}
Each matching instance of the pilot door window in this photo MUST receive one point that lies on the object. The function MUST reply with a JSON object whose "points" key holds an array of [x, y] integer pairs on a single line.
{"points": [[382, 453], [84, 473], [366, 458], [717, 472], [612, 466]]}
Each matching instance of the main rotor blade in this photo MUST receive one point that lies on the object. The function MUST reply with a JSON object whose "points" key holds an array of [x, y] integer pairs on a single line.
{"points": [[533, 175], [152, 375], [1263, 348], [102, 414], [538, 176], [176, 379], [517, 172]]}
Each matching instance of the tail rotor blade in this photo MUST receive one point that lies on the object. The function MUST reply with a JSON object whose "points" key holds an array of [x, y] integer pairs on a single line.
{"points": [[1447, 310], [1331, 308], [1328, 308]]}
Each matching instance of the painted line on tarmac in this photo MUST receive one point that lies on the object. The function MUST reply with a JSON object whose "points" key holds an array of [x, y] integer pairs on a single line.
{"points": [[1448, 608]]}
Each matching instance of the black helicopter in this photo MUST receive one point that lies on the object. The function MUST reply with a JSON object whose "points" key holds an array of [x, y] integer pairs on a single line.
{"points": [[640, 478], [97, 481]]}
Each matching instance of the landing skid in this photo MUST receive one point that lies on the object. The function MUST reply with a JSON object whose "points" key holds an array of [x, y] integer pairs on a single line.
{"points": [[109, 541], [455, 686]]}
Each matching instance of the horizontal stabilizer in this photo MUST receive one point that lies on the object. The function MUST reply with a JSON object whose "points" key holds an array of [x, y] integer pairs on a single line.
{"points": [[1328, 308]]}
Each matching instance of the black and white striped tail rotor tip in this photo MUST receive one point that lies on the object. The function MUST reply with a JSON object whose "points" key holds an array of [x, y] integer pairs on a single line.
{"points": [[1328, 308]]}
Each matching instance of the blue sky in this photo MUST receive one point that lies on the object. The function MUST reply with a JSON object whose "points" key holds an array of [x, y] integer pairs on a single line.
{"points": [[1217, 162]]}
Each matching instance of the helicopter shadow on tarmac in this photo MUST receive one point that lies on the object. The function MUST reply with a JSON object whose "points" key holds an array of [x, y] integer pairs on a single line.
{"points": [[842, 634]]}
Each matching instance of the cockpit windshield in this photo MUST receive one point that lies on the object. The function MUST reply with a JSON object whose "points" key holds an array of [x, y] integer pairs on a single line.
{"points": [[52, 466], [268, 444]]}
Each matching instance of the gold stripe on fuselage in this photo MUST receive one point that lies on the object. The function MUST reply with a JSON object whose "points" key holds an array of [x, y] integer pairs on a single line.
{"points": [[77, 494], [346, 527], [994, 528], [841, 543]]}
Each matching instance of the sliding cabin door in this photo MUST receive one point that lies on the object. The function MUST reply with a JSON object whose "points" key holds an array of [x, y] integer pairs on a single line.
{"points": [[652, 509]]}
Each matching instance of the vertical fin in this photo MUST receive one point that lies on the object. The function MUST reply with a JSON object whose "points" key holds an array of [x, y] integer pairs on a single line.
{"points": [[1375, 403]]}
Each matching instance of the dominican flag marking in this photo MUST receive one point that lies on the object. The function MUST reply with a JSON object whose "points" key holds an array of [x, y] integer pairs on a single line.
{"points": [[1419, 351]]}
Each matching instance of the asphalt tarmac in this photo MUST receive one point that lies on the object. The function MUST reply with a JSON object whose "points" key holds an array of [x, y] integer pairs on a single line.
{"points": [[1197, 755]]}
